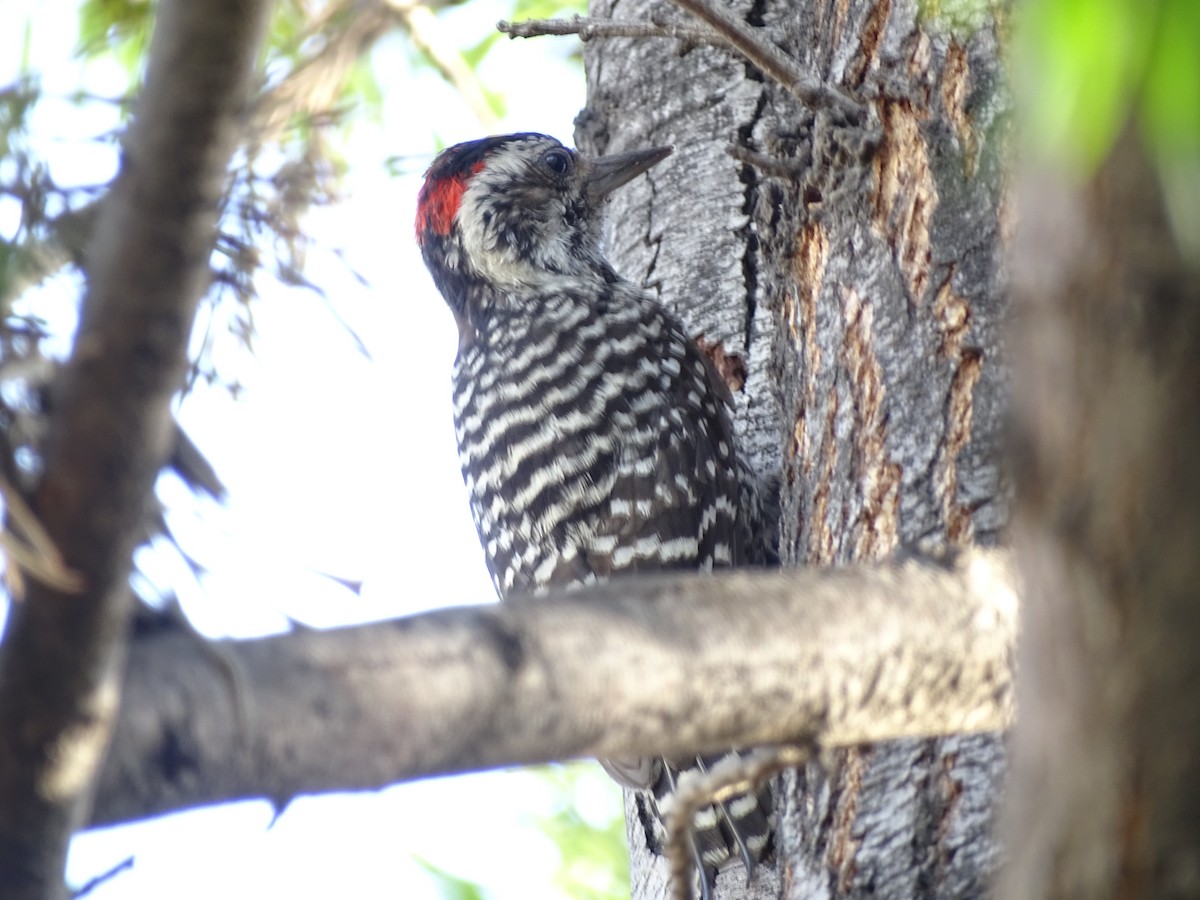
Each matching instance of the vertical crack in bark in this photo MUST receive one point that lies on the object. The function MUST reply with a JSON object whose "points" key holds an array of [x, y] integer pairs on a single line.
{"points": [[808, 272], [748, 177], [868, 42], [809, 258], [843, 846], [953, 316], [878, 478], [821, 537], [949, 793], [959, 410], [839, 23]]}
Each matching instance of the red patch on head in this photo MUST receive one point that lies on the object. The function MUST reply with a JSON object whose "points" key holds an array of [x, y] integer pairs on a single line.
{"points": [[438, 202]]}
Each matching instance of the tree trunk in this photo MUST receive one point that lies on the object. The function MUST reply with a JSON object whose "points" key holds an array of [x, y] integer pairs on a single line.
{"points": [[1106, 774], [852, 272]]}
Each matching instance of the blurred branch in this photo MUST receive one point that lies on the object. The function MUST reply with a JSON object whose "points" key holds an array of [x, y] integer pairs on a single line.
{"points": [[110, 429], [26, 544], [348, 30], [836, 657], [313, 89]]}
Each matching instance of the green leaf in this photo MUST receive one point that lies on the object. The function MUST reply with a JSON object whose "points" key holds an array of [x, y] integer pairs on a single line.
{"points": [[1093, 66], [1171, 99], [117, 28], [595, 858], [451, 886], [1085, 54]]}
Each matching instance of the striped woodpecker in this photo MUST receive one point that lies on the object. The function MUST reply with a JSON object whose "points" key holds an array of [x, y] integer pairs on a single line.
{"points": [[594, 435]]}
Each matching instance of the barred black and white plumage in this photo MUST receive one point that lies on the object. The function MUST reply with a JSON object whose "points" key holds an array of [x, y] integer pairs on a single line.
{"points": [[595, 437]]}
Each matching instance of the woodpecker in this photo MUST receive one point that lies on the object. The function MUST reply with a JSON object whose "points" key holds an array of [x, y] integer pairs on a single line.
{"points": [[595, 437]]}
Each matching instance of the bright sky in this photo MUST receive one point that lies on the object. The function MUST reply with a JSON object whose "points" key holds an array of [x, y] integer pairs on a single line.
{"points": [[335, 463]]}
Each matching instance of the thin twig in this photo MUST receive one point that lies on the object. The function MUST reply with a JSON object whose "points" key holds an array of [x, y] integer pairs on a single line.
{"points": [[92, 884], [769, 165], [588, 28], [772, 61], [721, 30]]}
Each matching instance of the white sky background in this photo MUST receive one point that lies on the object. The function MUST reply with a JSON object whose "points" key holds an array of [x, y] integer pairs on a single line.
{"points": [[335, 463]]}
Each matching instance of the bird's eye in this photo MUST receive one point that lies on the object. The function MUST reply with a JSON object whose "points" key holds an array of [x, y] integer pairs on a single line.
{"points": [[557, 161]]}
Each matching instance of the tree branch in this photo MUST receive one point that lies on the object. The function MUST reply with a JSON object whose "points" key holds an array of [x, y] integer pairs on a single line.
{"points": [[669, 665], [111, 429], [721, 30], [589, 28]]}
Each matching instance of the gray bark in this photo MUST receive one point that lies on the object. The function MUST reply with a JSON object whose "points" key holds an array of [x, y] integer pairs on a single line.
{"points": [[856, 275], [613, 670]]}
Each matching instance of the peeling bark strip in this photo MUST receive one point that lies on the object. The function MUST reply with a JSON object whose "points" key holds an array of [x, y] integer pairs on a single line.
{"points": [[875, 302], [958, 434], [906, 194], [954, 90], [111, 428], [877, 478]]}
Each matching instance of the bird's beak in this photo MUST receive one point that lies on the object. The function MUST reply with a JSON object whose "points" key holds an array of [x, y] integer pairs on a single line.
{"points": [[610, 172]]}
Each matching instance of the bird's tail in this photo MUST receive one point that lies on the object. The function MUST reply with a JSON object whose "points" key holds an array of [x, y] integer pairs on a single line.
{"points": [[736, 829]]}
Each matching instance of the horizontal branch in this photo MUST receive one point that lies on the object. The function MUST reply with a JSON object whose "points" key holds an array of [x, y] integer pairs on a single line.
{"points": [[667, 665], [589, 29], [719, 29]]}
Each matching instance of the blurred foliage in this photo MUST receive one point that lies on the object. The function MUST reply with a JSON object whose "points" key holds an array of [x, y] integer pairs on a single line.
{"points": [[594, 855], [1093, 65], [1091, 69], [450, 886], [586, 824], [320, 81], [962, 17], [119, 28]]}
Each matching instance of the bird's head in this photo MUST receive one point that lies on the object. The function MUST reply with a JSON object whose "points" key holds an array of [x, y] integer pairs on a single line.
{"points": [[516, 211]]}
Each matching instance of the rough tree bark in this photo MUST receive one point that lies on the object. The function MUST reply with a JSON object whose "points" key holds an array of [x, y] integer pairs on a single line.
{"points": [[608, 670], [847, 272], [851, 271], [62, 655]]}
